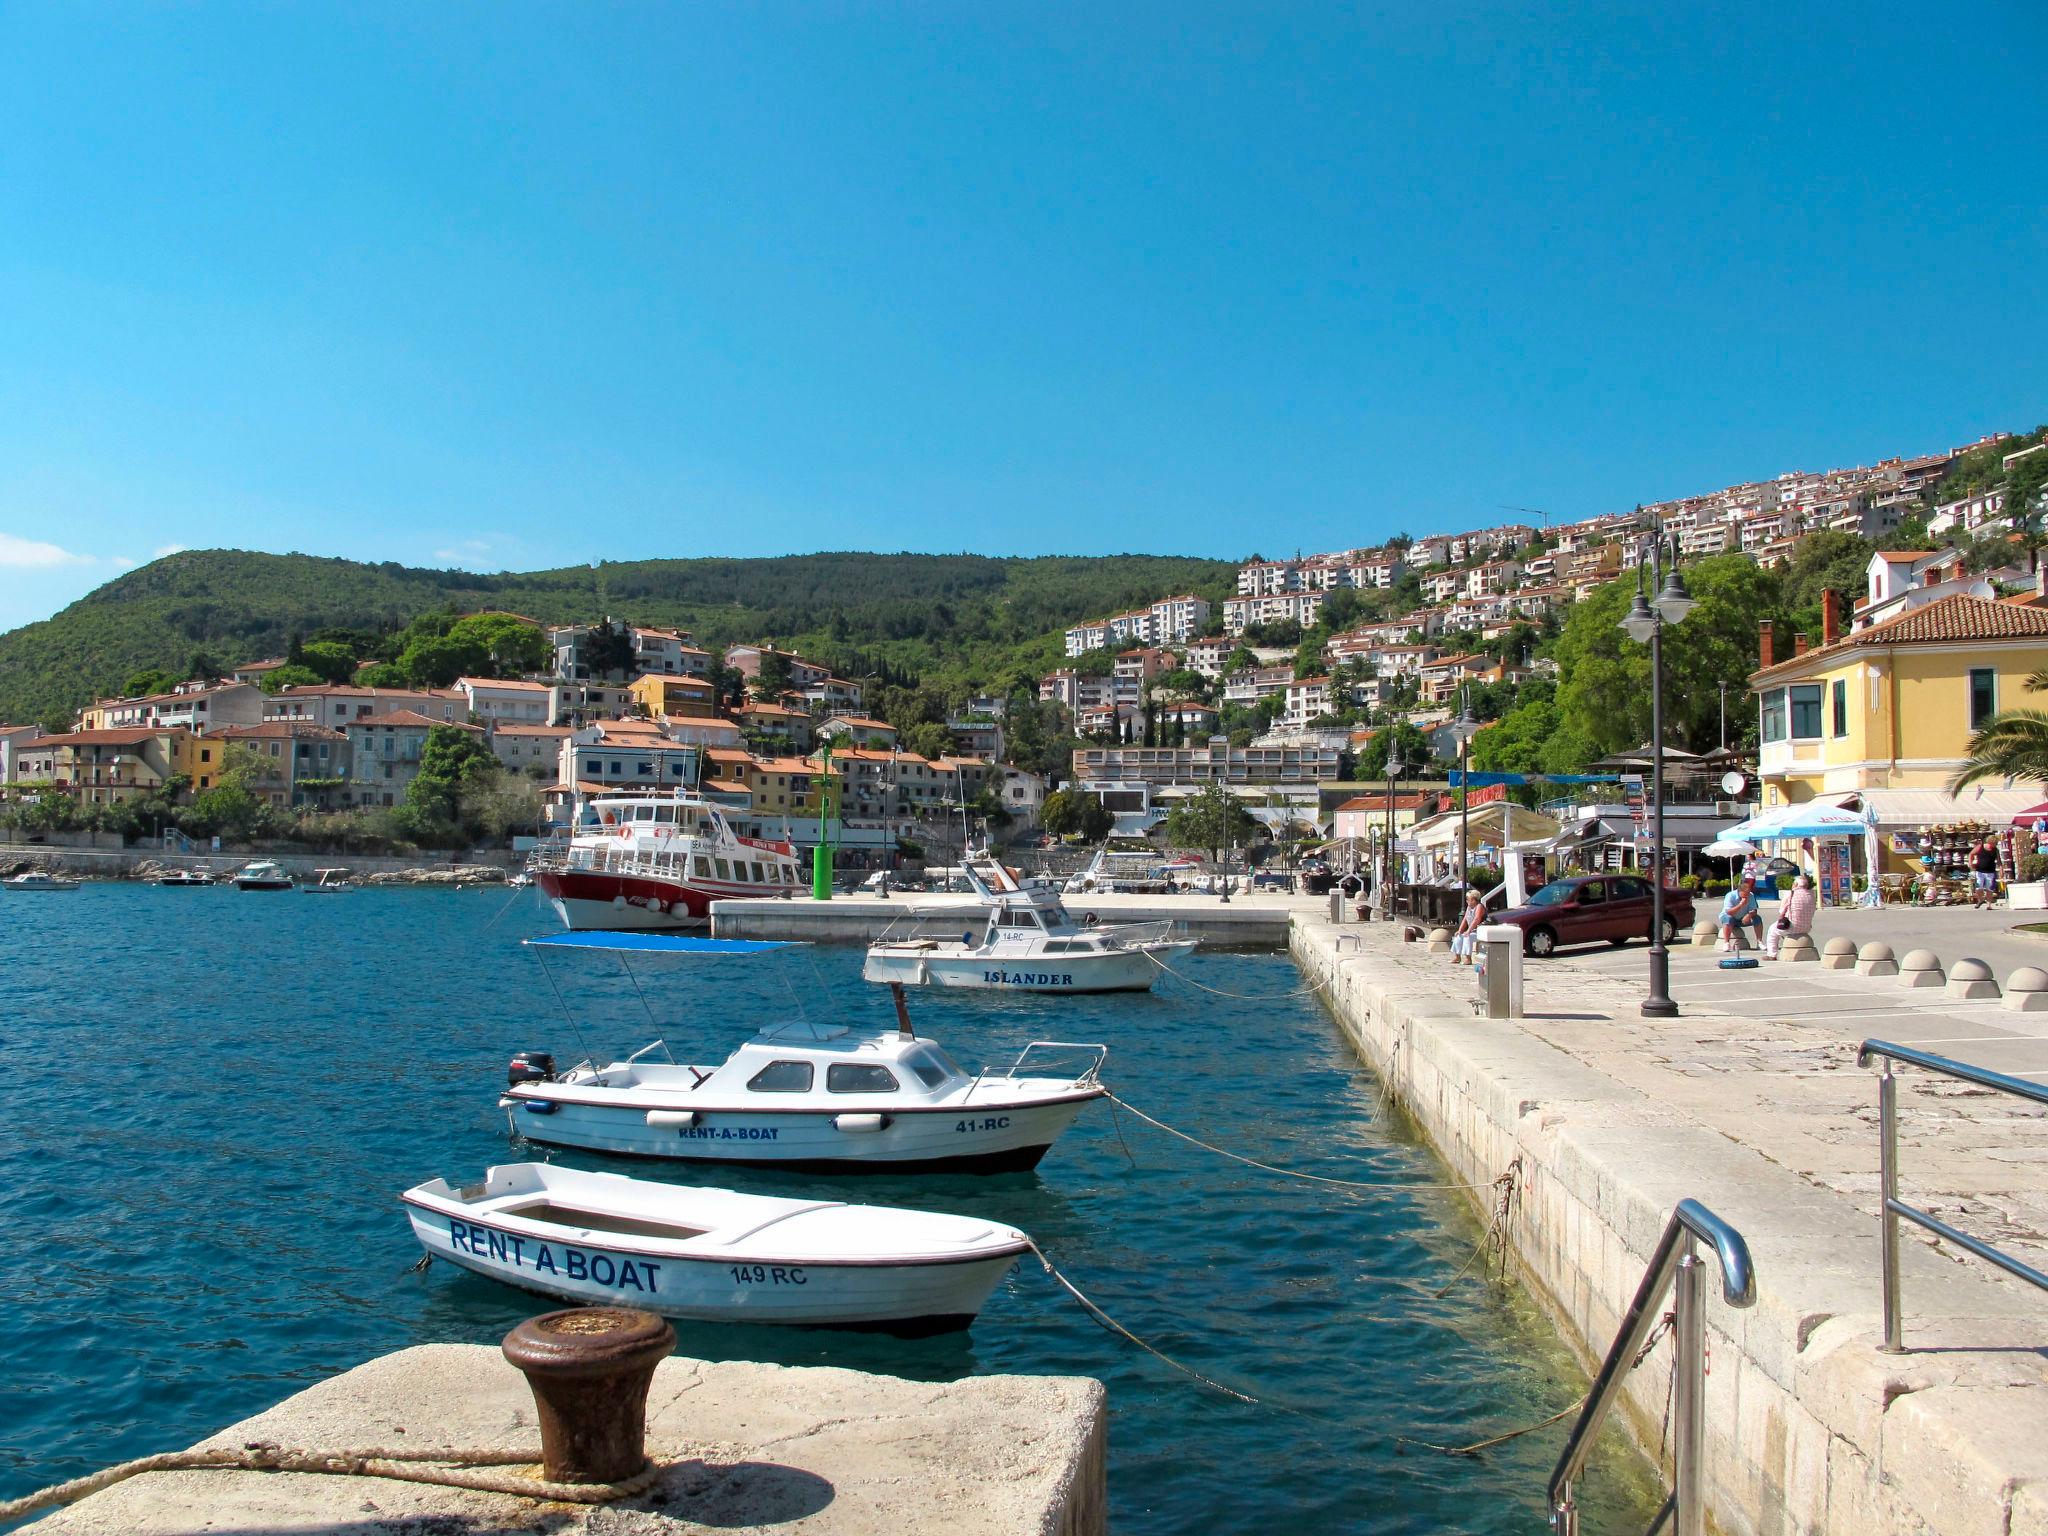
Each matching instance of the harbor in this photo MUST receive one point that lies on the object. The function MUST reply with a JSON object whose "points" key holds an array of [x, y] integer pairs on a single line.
{"points": [[1368, 1326]]}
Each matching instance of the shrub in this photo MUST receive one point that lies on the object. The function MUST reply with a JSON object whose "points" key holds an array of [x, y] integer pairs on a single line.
{"points": [[2033, 866]]}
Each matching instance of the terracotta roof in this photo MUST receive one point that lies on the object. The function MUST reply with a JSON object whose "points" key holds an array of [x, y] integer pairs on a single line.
{"points": [[519, 729], [1907, 556], [1403, 801], [519, 683], [863, 722], [402, 718], [132, 736], [281, 730], [1948, 620]]}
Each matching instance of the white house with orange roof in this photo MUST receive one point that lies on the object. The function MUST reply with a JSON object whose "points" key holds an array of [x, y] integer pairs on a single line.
{"points": [[509, 700]]}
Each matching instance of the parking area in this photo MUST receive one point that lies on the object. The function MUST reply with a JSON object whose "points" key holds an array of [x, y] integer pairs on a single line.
{"points": [[1845, 1003]]}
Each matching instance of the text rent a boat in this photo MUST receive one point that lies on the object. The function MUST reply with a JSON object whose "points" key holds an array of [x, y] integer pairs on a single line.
{"points": [[800, 1095], [656, 861], [1029, 943], [712, 1254]]}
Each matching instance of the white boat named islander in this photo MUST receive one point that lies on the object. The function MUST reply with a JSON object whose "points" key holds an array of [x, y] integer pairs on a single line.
{"points": [[800, 1095], [39, 880], [655, 861], [1030, 944], [712, 1254], [262, 875]]}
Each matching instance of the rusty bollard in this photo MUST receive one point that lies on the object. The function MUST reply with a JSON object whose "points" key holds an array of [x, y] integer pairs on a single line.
{"points": [[589, 1368]]}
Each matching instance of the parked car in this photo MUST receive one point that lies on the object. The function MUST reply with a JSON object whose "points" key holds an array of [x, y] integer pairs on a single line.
{"points": [[1584, 909]]}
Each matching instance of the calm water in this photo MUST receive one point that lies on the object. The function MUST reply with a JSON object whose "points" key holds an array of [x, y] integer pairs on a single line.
{"points": [[221, 1094]]}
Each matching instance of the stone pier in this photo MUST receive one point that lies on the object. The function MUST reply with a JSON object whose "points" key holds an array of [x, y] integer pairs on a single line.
{"points": [[1767, 1121], [798, 1451]]}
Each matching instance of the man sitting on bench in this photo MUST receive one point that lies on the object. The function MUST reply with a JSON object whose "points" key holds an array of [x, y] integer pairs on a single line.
{"points": [[1739, 911]]}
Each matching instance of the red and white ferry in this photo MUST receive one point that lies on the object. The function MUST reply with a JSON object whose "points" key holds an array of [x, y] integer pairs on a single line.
{"points": [[656, 861]]}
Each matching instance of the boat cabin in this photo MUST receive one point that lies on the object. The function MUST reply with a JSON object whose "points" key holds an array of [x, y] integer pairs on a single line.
{"points": [[802, 1065]]}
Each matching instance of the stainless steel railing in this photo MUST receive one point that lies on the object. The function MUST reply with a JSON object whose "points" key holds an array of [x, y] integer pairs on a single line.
{"points": [[1677, 1268], [1891, 1207]]}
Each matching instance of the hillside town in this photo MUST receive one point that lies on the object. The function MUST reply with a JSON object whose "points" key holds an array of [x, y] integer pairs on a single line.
{"points": [[1294, 692]]}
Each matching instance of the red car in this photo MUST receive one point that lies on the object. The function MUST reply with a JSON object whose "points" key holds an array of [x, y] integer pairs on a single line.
{"points": [[1583, 909]]}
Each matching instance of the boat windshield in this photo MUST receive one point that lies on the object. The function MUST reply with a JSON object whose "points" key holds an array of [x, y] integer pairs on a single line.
{"points": [[1555, 894], [932, 1066]]}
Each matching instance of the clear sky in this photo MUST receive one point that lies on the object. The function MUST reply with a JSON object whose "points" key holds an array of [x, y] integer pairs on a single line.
{"points": [[507, 285]]}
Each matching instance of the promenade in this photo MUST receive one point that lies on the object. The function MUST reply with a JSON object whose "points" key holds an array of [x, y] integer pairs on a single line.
{"points": [[1751, 1102]]}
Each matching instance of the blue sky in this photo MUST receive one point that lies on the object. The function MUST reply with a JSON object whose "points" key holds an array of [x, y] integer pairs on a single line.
{"points": [[510, 286]]}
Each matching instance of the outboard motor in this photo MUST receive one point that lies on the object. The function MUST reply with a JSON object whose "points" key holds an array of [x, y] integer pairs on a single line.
{"points": [[531, 1067]]}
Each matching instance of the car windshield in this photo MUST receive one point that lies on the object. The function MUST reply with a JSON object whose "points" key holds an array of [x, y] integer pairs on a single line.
{"points": [[1555, 894]]}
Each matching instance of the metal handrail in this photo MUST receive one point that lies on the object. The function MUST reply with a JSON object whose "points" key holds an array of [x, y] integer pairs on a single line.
{"points": [[1891, 1207], [1676, 1267]]}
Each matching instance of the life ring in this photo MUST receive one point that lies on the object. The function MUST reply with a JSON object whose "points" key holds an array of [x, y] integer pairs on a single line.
{"points": [[625, 831], [1088, 919]]}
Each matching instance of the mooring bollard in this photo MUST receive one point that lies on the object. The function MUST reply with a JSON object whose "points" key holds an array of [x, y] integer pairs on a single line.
{"points": [[589, 1368]]}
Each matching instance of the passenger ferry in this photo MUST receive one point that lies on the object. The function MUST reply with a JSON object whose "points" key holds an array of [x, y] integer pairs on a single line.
{"points": [[656, 861]]}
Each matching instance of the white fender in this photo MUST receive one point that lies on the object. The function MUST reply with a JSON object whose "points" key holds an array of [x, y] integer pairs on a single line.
{"points": [[855, 1124], [672, 1119]]}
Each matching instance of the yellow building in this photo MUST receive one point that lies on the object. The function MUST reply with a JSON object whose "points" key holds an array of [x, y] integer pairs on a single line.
{"points": [[663, 695], [775, 786], [1879, 720]]}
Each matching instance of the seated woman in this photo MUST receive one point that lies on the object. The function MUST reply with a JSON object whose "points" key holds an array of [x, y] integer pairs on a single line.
{"points": [[1469, 922], [1739, 911], [1795, 917]]}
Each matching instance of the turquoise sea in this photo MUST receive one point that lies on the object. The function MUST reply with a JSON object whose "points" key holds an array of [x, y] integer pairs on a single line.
{"points": [[219, 1095]]}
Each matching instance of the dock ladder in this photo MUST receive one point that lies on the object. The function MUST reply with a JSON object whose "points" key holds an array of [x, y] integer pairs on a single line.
{"points": [[1675, 1267]]}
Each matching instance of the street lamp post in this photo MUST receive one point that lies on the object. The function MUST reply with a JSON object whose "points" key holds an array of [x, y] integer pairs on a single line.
{"points": [[1645, 623], [1395, 767], [1463, 729]]}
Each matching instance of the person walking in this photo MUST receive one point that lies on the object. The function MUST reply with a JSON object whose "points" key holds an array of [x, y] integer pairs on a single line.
{"points": [[1466, 939], [1795, 917], [1984, 867], [1739, 911]]}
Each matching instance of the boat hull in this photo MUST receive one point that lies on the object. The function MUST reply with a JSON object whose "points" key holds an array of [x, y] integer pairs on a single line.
{"points": [[912, 1298], [975, 1138], [1132, 970], [592, 899]]}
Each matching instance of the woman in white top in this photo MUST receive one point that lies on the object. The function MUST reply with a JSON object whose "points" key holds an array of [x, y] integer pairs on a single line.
{"points": [[1467, 937]]}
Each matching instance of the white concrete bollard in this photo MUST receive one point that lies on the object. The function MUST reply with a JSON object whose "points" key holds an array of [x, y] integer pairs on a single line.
{"points": [[1875, 959], [1971, 978], [1439, 941], [1840, 954], [1798, 946], [2026, 990], [1920, 968], [1704, 932]]}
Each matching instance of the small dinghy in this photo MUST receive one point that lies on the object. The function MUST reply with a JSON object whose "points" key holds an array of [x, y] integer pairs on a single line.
{"points": [[802, 1095], [714, 1255], [1028, 944]]}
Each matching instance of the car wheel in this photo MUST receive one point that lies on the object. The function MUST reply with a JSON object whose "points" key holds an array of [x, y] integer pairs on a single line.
{"points": [[1541, 942], [1670, 929], [1618, 940]]}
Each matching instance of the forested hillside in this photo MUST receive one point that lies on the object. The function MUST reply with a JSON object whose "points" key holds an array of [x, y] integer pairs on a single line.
{"points": [[948, 617]]}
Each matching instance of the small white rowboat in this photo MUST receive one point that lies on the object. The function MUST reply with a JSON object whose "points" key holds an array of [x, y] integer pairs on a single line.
{"points": [[715, 1255]]}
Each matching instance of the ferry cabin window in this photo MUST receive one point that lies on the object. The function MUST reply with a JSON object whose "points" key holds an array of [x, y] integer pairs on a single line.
{"points": [[859, 1077], [782, 1077], [724, 870]]}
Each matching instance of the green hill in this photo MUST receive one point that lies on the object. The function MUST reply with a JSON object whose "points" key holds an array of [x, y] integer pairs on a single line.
{"points": [[969, 618]]}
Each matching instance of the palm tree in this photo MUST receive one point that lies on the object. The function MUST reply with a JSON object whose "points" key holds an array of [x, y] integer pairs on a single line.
{"points": [[2013, 744]]}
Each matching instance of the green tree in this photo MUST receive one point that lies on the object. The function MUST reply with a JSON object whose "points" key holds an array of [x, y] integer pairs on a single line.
{"points": [[929, 740], [1214, 819], [1828, 561], [505, 645], [203, 667], [1070, 811], [383, 674], [1416, 757], [290, 675], [334, 662], [151, 680], [1603, 699], [455, 768], [772, 682], [608, 650]]}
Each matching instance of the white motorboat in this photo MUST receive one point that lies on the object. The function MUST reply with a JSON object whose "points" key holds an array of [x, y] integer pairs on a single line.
{"points": [[182, 878], [715, 1255], [40, 880], [1030, 943], [519, 882], [329, 881], [262, 875], [800, 1095]]}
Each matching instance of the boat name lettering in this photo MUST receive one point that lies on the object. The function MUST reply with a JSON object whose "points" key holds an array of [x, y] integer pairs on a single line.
{"points": [[541, 1258], [986, 1123], [1028, 978], [768, 1274], [729, 1133]]}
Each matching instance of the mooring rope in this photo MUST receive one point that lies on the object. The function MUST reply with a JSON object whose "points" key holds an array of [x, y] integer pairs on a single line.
{"points": [[456, 1470], [1513, 1169], [1240, 997]]}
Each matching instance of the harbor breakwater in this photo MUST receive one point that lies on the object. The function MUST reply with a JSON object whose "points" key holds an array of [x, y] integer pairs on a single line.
{"points": [[1810, 1429]]}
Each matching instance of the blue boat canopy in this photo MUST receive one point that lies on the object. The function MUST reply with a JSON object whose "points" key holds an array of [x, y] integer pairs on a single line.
{"points": [[656, 943]]}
